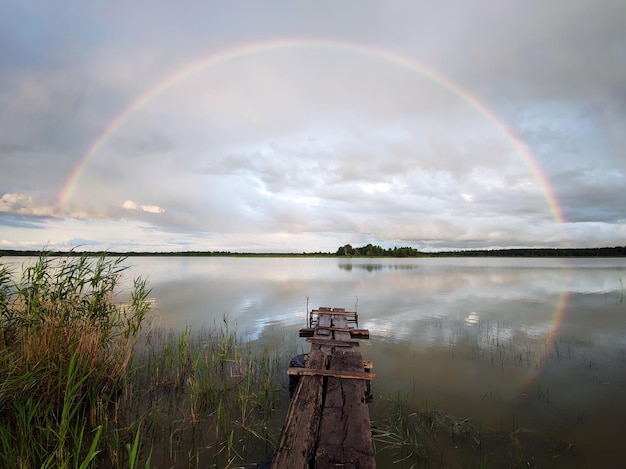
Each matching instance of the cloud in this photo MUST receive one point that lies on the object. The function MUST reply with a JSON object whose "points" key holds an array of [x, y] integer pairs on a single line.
{"points": [[130, 205], [22, 204], [314, 144]]}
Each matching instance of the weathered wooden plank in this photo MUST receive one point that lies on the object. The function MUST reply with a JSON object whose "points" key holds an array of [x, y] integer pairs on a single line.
{"points": [[345, 437], [321, 331], [352, 330], [332, 342], [343, 313], [294, 371], [338, 435], [341, 324], [298, 440], [324, 320]]}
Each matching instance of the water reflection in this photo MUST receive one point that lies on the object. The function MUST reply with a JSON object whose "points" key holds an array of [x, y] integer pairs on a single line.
{"points": [[507, 343], [371, 266], [392, 296]]}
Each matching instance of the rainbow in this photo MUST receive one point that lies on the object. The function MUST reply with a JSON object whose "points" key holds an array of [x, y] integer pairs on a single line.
{"points": [[547, 348], [70, 184], [392, 57]]}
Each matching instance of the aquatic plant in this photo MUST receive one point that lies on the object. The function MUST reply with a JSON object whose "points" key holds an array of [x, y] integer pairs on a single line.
{"points": [[208, 398]]}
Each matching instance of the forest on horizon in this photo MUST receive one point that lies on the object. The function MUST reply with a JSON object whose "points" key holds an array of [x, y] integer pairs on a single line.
{"points": [[347, 250]]}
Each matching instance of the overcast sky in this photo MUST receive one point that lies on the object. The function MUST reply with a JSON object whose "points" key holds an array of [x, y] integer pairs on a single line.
{"points": [[302, 126]]}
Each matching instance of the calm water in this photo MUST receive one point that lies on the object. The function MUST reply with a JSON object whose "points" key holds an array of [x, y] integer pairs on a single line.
{"points": [[533, 348]]}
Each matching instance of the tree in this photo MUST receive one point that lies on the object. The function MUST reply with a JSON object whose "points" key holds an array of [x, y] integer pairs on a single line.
{"points": [[346, 250]]}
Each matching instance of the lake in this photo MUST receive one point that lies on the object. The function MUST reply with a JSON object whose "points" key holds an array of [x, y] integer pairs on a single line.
{"points": [[534, 347], [526, 350]]}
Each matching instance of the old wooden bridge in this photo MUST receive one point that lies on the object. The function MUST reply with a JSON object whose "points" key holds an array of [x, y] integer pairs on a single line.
{"points": [[328, 424]]}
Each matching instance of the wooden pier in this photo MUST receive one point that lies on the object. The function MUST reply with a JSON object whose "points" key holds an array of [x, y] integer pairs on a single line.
{"points": [[328, 424]]}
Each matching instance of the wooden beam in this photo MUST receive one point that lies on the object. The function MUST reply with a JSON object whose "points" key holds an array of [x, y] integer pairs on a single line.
{"points": [[333, 343], [358, 333], [298, 440], [338, 313], [334, 373], [351, 330]]}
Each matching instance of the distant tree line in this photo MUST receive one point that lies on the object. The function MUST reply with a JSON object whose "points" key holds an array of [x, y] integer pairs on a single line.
{"points": [[376, 251], [347, 250], [617, 251], [36, 253]]}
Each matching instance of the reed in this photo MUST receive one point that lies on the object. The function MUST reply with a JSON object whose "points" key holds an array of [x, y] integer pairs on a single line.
{"points": [[65, 345], [210, 397], [406, 436], [402, 433]]}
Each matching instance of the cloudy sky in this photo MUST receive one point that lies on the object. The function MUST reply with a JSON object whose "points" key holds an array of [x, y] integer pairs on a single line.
{"points": [[302, 126]]}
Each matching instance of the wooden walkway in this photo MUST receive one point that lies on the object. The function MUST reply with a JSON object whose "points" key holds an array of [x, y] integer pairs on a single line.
{"points": [[328, 424]]}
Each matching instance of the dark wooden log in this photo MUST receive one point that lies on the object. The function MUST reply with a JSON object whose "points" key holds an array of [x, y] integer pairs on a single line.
{"points": [[298, 440], [354, 333]]}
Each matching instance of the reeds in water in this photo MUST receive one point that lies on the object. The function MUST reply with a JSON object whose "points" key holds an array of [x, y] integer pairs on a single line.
{"points": [[209, 398]]}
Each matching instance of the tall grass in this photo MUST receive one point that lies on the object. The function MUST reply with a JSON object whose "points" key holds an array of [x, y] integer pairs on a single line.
{"points": [[65, 346], [82, 384]]}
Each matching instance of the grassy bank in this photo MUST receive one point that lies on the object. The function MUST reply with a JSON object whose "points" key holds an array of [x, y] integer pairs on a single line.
{"points": [[85, 382]]}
